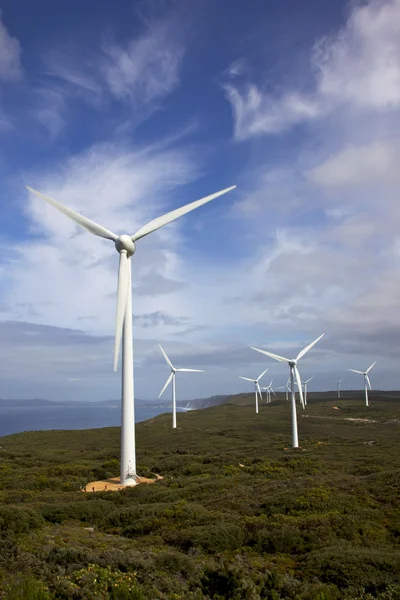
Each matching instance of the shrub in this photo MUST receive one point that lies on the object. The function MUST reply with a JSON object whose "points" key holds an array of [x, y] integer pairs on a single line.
{"points": [[349, 566], [87, 511], [220, 584], [286, 539], [175, 562], [28, 589], [19, 520], [219, 537]]}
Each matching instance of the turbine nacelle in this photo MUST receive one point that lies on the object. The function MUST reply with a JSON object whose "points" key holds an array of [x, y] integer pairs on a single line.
{"points": [[124, 243]]}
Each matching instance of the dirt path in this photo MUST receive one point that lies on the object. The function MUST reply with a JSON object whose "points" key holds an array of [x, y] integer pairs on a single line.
{"points": [[340, 418]]}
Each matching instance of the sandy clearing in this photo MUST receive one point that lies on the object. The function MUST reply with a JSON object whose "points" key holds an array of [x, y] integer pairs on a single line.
{"points": [[114, 484]]}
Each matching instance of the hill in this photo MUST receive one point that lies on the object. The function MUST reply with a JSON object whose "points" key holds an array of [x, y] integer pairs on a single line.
{"points": [[238, 515], [7, 403]]}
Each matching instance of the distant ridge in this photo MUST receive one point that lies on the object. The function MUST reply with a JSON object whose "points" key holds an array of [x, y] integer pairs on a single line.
{"points": [[5, 403], [196, 404], [199, 403]]}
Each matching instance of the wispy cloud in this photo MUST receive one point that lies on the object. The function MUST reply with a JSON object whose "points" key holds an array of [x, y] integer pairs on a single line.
{"points": [[10, 55], [49, 110], [136, 73], [374, 163], [359, 67], [147, 68]]}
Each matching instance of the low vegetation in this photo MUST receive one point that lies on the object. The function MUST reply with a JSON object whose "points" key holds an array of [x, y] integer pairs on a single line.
{"points": [[238, 515]]}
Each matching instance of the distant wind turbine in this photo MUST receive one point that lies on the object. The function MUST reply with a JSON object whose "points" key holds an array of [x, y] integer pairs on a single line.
{"points": [[338, 386], [286, 388], [172, 378], [269, 390], [256, 385], [304, 384], [366, 380], [126, 246], [294, 372]]}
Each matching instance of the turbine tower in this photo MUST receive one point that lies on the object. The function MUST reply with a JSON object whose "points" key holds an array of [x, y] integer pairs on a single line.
{"points": [[294, 372], [172, 378], [338, 386], [126, 246], [269, 389], [286, 388], [256, 385], [304, 384], [366, 380]]}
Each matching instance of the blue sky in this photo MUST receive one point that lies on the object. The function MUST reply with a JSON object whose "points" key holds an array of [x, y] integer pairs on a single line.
{"points": [[126, 111]]}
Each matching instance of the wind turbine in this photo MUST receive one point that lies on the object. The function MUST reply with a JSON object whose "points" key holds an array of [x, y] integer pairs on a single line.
{"points": [[294, 372], [126, 246], [269, 389], [286, 388], [366, 380], [304, 384], [256, 385], [172, 378], [338, 386]]}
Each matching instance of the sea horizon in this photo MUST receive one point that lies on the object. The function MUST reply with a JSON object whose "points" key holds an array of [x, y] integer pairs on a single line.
{"points": [[18, 419]]}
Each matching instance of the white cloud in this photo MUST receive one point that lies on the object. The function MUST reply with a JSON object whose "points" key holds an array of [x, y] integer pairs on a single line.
{"points": [[10, 55], [50, 110], [146, 69], [359, 67], [137, 73], [375, 163], [257, 113]]}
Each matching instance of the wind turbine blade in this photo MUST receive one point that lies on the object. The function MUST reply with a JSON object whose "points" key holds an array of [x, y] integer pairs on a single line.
{"points": [[369, 383], [307, 348], [298, 380], [166, 384], [369, 368], [190, 370], [309, 379], [122, 296], [275, 356], [247, 379], [175, 214], [84, 222], [259, 390], [169, 363], [263, 373], [359, 372]]}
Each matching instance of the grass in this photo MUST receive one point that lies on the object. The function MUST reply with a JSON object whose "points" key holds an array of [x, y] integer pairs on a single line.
{"points": [[239, 514]]}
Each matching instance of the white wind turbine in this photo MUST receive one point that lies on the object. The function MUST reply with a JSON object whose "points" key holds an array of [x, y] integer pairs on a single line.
{"points": [[304, 384], [294, 372], [256, 385], [126, 246], [269, 389], [172, 378], [286, 388], [338, 387], [366, 380]]}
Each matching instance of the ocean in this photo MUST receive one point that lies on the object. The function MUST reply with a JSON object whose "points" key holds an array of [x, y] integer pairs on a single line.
{"points": [[22, 418]]}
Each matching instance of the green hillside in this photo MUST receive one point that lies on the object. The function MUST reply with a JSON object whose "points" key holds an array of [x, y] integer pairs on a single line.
{"points": [[238, 515]]}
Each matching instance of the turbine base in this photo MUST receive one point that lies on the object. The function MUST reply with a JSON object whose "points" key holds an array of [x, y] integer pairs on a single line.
{"points": [[113, 484]]}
